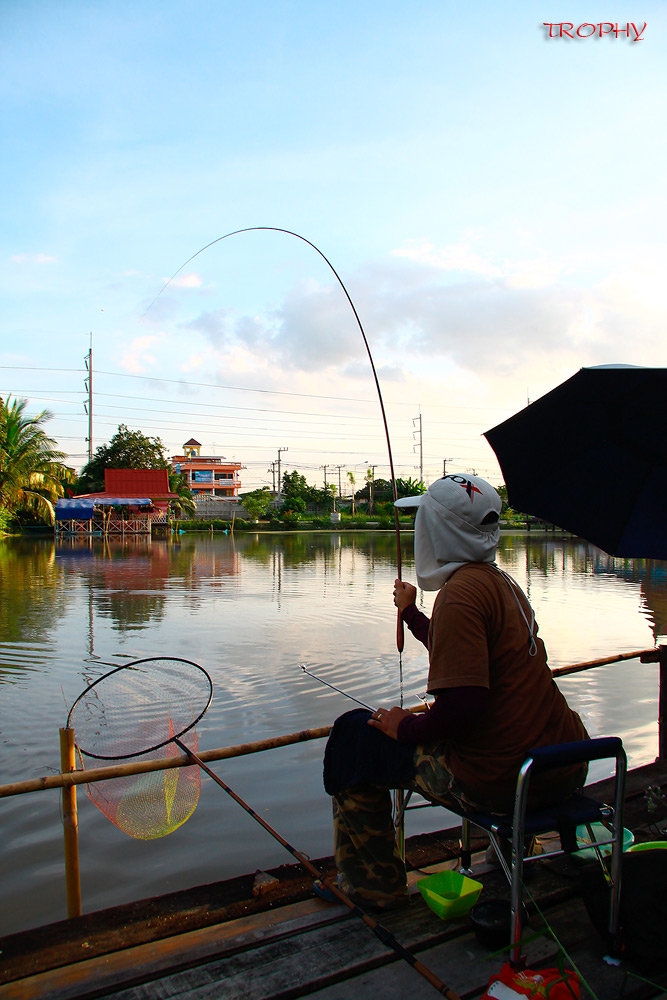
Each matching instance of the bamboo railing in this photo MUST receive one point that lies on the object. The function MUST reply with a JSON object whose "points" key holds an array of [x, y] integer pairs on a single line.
{"points": [[69, 777]]}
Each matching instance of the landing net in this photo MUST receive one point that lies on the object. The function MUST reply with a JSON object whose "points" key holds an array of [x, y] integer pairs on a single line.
{"points": [[134, 710]]}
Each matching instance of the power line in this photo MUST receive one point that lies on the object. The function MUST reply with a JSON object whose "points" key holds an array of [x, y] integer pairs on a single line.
{"points": [[240, 388], [201, 385]]}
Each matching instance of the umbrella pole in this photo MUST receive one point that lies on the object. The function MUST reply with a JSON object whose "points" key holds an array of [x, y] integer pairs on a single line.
{"points": [[662, 704], [659, 656]]}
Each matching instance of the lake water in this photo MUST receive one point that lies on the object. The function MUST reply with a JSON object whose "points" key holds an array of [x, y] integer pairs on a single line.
{"points": [[250, 609]]}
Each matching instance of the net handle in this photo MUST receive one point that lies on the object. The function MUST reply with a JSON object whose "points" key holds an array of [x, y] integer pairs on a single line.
{"points": [[156, 746]]}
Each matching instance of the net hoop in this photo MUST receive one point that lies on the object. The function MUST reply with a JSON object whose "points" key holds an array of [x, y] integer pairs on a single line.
{"points": [[175, 735]]}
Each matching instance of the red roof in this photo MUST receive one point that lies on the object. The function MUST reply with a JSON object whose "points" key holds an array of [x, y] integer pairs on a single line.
{"points": [[192, 441], [153, 483]]}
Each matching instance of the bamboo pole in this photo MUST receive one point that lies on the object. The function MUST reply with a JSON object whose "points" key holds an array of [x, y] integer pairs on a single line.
{"points": [[67, 779], [588, 664], [70, 826], [70, 779]]}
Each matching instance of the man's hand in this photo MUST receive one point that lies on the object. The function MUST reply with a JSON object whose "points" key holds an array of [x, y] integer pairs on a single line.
{"points": [[387, 720], [404, 594]]}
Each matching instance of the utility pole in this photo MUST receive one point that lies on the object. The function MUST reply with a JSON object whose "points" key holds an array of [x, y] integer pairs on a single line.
{"points": [[421, 449], [325, 467], [279, 480], [444, 465], [88, 407], [340, 487], [272, 470]]}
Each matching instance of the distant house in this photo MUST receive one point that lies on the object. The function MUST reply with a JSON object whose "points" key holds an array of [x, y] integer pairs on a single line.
{"points": [[132, 500], [129, 483], [208, 476]]}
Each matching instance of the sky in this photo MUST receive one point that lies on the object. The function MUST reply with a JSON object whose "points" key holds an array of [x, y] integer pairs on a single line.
{"points": [[491, 198]]}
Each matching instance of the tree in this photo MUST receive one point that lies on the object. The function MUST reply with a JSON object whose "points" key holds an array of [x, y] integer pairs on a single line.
{"points": [[257, 502], [350, 476], [370, 479], [178, 484], [292, 508], [507, 512], [31, 469], [409, 487], [126, 450], [294, 485]]}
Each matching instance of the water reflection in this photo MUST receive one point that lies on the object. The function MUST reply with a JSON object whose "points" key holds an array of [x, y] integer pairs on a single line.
{"points": [[33, 600], [250, 608]]}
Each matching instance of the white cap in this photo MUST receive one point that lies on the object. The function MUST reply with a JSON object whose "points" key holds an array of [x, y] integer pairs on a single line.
{"points": [[457, 522], [469, 497]]}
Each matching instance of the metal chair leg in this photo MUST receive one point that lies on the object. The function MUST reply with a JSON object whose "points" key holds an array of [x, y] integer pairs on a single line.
{"points": [[466, 852]]}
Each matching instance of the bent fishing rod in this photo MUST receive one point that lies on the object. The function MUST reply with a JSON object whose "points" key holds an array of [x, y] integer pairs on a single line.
{"points": [[397, 529]]}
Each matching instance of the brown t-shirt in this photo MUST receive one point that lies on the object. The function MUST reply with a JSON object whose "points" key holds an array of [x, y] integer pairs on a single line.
{"points": [[478, 637]]}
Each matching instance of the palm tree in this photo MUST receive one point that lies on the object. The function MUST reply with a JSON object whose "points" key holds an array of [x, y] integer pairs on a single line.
{"points": [[350, 476], [409, 487], [370, 479], [178, 484], [31, 469]]}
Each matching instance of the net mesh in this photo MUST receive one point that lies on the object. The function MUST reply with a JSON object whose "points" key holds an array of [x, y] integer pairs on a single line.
{"points": [[151, 805], [139, 708]]}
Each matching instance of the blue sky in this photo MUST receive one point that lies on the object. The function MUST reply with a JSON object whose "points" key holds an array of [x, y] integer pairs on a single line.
{"points": [[493, 200]]}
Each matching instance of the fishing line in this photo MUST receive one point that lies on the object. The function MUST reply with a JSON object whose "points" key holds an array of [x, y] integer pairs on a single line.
{"points": [[334, 688], [288, 232]]}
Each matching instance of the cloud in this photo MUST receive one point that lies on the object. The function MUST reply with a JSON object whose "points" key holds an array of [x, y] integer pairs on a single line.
{"points": [[455, 257], [33, 258], [312, 329], [217, 326], [187, 281], [446, 310], [137, 358]]}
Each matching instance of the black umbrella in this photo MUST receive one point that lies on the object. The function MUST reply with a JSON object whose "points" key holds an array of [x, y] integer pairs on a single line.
{"points": [[591, 457]]}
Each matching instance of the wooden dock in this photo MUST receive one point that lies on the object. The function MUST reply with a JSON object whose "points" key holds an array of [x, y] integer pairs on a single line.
{"points": [[221, 941]]}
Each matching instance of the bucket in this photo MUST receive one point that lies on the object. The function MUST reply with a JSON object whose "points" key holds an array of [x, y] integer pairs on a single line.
{"points": [[491, 922], [600, 832], [449, 894], [650, 845]]}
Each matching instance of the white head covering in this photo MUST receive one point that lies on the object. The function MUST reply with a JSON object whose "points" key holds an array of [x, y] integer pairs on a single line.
{"points": [[457, 523]]}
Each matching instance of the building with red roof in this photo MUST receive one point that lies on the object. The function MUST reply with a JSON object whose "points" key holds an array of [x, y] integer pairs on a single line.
{"points": [[136, 483]]}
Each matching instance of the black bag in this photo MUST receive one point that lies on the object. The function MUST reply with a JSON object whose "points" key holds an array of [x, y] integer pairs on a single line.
{"points": [[643, 913]]}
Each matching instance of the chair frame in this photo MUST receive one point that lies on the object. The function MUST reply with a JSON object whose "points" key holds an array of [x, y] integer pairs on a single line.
{"points": [[563, 817]]}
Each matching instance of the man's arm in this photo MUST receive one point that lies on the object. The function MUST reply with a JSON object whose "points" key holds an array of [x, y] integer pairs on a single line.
{"points": [[454, 712]]}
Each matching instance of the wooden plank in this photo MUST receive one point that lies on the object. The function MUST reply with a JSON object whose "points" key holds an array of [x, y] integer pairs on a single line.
{"points": [[129, 964], [152, 959], [292, 966]]}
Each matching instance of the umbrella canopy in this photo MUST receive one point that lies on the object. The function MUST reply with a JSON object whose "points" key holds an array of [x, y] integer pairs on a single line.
{"points": [[591, 457]]}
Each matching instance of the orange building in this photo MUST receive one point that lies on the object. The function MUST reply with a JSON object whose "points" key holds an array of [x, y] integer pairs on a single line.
{"points": [[207, 475]]}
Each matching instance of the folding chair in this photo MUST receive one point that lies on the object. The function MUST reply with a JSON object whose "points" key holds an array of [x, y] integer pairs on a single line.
{"points": [[563, 817]]}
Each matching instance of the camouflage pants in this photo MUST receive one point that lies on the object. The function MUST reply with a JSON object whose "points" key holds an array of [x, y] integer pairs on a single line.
{"points": [[365, 847]]}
